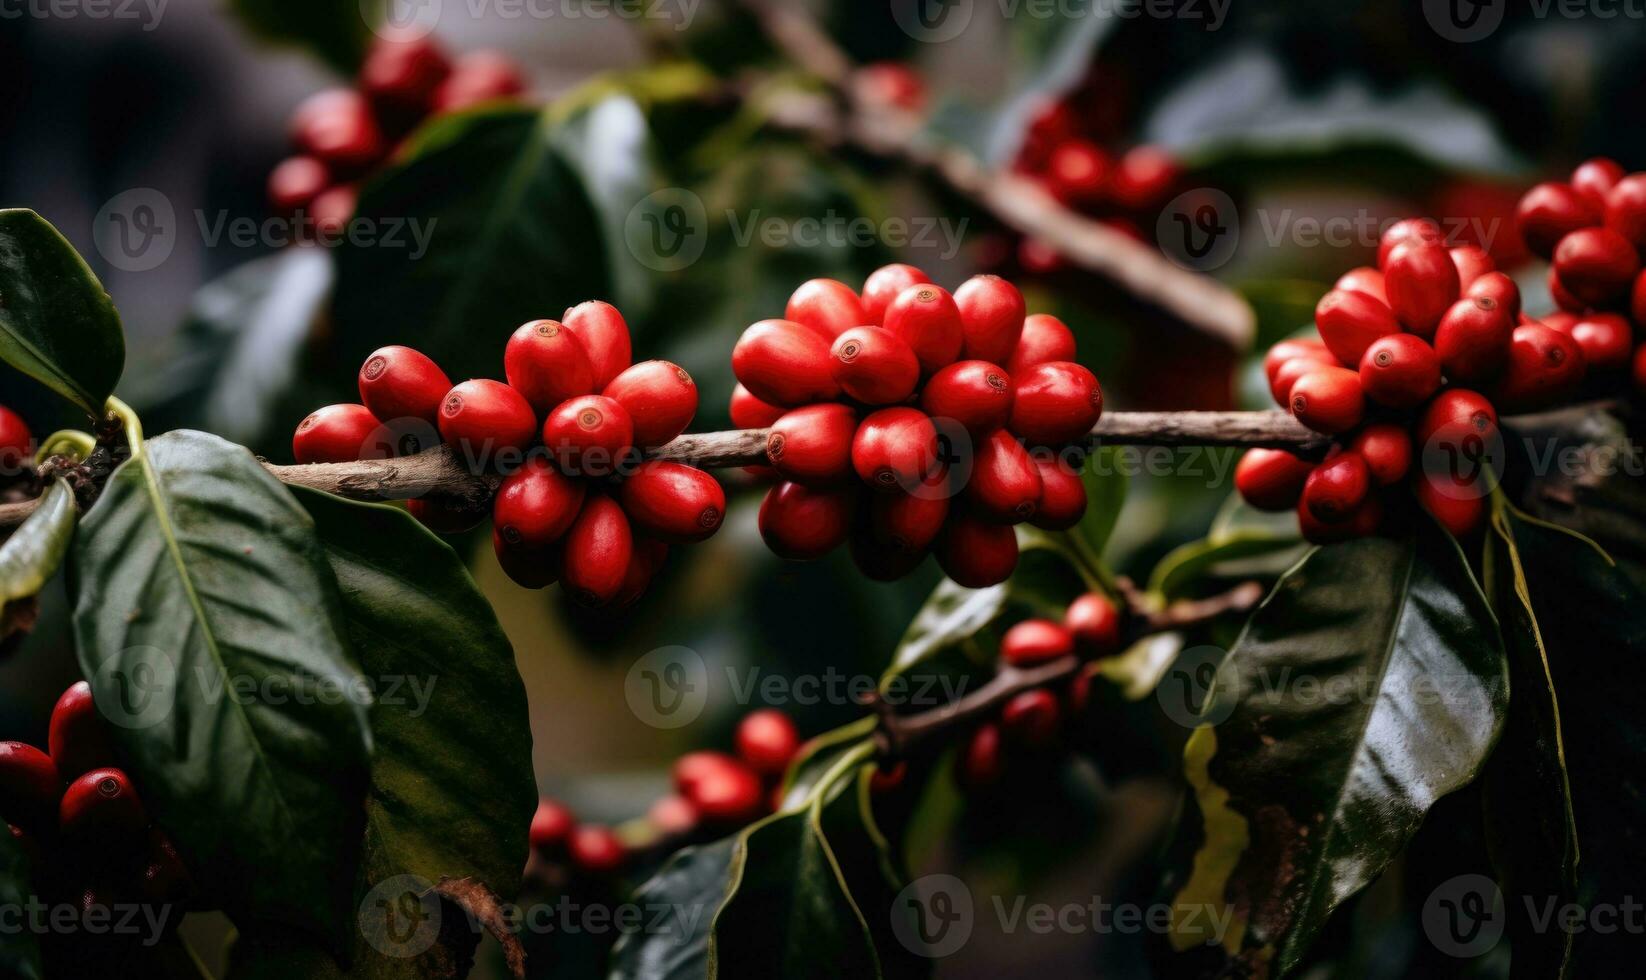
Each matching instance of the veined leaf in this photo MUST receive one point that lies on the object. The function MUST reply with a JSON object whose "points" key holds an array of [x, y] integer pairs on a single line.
{"points": [[692, 884], [34, 551]]}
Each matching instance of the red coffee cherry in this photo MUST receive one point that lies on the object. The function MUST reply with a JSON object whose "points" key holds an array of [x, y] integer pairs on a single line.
{"points": [[400, 383], [1422, 284], [1032, 719], [1637, 299], [975, 394], [727, 795], [337, 128], [1472, 262], [1337, 488], [672, 816], [1039, 258], [675, 502], [1329, 400], [768, 741], [334, 434], [1640, 370], [1078, 172], [598, 548], [1094, 624], [547, 364], [891, 83], [693, 767], [529, 568], [1546, 367], [102, 806], [551, 829], [647, 560], [908, 522], [1596, 265], [295, 183], [1406, 230], [1005, 484], [79, 738], [332, 209], [749, 412], [1549, 212], [1363, 523], [982, 764], [874, 366], [1280, 386], [1271, 479], [1044, 338], [590, 435], [536, 505], [991, 318], [878, 561], [661, 399], [802, 524], [1594, 179], [827, 307], [484, 419], [976, 554], [1034, 642], [1056, 402], [926, 318], [1387, 450], [1455, 419], [1473, 339], [1607, 340], [443, 518], [29, 786], [401, 74], [1458, 508], [1562, 296], [1306, 348], [1497, 287], [596, 851], [1349, 322], [1625, 209], [604, 334], [477, 78], [1062, 494], [784, 363], [812, 445], [895, 448], [883, 781], [883, 286], [1364, 279], [166, 878], [1143, 178], [16, 443]]}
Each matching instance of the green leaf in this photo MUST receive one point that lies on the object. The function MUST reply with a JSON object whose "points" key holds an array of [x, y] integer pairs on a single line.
{"points": [[210, 624], [19, 952], [1370, 683], [1222, 556], [1105, 497], [31, 556], [692, 885], [335, 31], [57, 324]]}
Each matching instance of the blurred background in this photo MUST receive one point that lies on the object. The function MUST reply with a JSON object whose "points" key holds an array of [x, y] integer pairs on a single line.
{"points": [[1317, 119]]}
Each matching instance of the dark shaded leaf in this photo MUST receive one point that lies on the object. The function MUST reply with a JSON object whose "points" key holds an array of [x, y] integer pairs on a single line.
{"points": [[19, 953], [335, 31], [34, 551], [693, 883]]}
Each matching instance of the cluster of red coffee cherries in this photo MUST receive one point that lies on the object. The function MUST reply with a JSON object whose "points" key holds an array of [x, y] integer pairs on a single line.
{"points": [[578, 503], [899, 419], [78, 818], [342, 135], [715, 793], [16, 445], [1036, 721]]}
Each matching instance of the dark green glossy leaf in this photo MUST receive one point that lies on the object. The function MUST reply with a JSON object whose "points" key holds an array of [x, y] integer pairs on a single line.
{"points": [[336, 31], [34, 551], [1221, 556], [19, 953], [819, 754], [1105, 497], [57, 324], [693, 883], [210, 624], [1370, 683]]}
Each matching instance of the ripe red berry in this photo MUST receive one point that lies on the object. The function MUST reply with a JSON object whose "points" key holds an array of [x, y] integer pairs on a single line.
{"points": [[1349, 322], [165, 878], [1640, 370], [445, 518], [536, 505], [1625, 209], [1363, 523], [1596, 265], [1305, 348], [1545, 368], [1337, 488], [597, 851], [1637, 299], [547, 364], [802, 524], [1032, 719], [1280, 386], [891, 83], [399, 383], [102, 806], [672, 816], [908, 522], [976, 554], [660, 397], [784, 363], [884, 781], [827, 307], [1329, 400], [975, 394], [982, 763], [590, 435], [812, 445], [1044, 338], [1387, 450], [29, 786], [1039, 258], [1078, 171], [529, 568], [1499, 288], [79, 738], [648, 559], [1094, 623], [1364, 279], [477, 78], [1062, 494], [1456, 425], [1472, 262], [727, 795], [895, 448], [486, 420], [1055, 402], [1403, 231], [878, 561], [1400, 371], [332, 209], [676, 503], [598, 547], [401, 74], [1562, 296], [1036, 641], [1549, 212], [749, 412], [768, 741], [1594, 179], [1271, 479], [1422, 283], [1607, 340], [1459, 508], [874, 366], [991, 318], [337, 128], [1143, 178], [604, 334], [926, 318], [1005, 484], [1473, 339], [335, 434], [883, 286], [551, 828], [295, 183], [16, 443]]}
